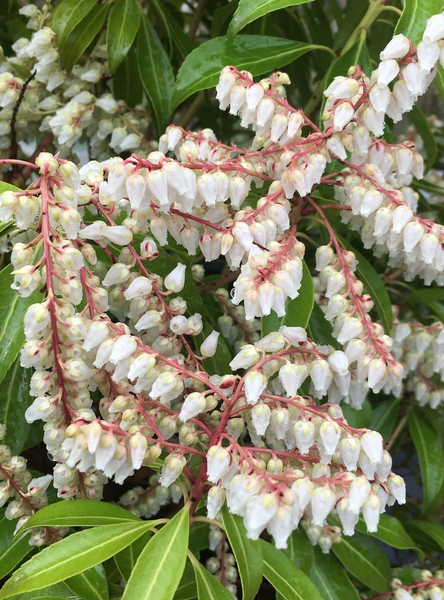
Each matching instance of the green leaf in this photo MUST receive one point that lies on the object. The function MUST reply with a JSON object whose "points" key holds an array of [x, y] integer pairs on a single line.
{"points": [[156, 73], [256, 53], [90, 584], [385, 417], [298, 311], [14, 400], [391, 532], [123, 25], [250, 10], [82, 35], [414, 17], [430, 453], [161, 563], [59, 591], [270, 323], [319, 329], [330, 578], [432, 297], [300, 551], [435, 531], [127, 558], [285, 577], [187, 589], [127, 85], [247, 553], [12, 550], [12, 312], [79, 513], [364, 558], [373, 285], [67, 15], [72, 555], [8, 187], [358, 418], [417, 117], [208, 587]]}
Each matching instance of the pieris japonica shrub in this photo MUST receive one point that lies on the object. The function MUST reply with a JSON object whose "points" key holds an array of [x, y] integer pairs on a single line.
{"points": [[221, 361]]}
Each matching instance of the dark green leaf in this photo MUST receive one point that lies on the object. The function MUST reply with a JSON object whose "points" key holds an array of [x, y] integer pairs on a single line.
{"points": [[414, 17], [14, 400], [58, 591], [319, 329], [330, 578], [256, 53], [199, 533], [430, 453], [156, 73], [435, 531], [385, 417], [72, 555], [12, 312], [250, 10], [187, 589], [90, 584], [285, 577], [358, 418], [221, 16], [298, 311], [12, 551], [364, 558], [432, 297], [67, 15], [124, 22], [417, 117], [247, 553], [126, 559], [208, 587], [270, 323], [82, 35], [391, 532], [300, 551], [80, 513], [160, 566], [127, 85]]}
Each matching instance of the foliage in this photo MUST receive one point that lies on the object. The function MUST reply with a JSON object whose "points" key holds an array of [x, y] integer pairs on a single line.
{"points": [[235, 316]]}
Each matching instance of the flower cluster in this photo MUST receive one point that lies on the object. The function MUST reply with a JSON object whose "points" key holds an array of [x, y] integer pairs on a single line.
{"points": [[430, 586]]}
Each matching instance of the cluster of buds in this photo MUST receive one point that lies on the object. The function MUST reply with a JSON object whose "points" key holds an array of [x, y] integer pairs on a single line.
{"points": [[52, 102], [430, 586], [233, 324], [145, 502]]}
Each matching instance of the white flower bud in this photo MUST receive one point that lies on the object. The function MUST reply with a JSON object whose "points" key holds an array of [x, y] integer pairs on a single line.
{"points": [[260, 415], [255, 383], [304, 432], [245, 358], [358, 493], [218, 463], [371, 443], [322, 502], [175, 281], [209, 345]]}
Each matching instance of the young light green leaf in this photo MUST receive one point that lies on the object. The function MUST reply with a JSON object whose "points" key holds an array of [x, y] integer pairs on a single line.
{"points": [[12, 312], [156, 73], [187, 589], [373, 285], [247, 553], [384, 417], [124, 22], [8, 187], [127, 558], [430, 453], [79, 513], [256, 53], [82, 35], [364, 558], [90, 584], [12, 551], [14, 400], [391, 532], [208, 587], [72, 555], [298, 311], [414, 17], [422, 125], [285, 577], [250, 10], [67, 15], [330, 578], [160, 566]]}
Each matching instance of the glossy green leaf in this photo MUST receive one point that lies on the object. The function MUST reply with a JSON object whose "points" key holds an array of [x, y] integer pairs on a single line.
{"points": [[435, 531], [187, 589], [156, 73], [428, 445], [364, 558], [90, 584], [160, 566], [319, 329], [391, 532], [123, 25], [298, 311], [330, 578], [373, 285], [12, 550], [414, 17], [270, 323], [385, 417], [79, 513], [12, 312], [256, 53], [127, 85], [250, 10], [67, 15], [247, 553], [14, 400], [58, 591], [422, 126], [359, 418], [433, 297], [127, 558], [300, 551], [285, 577], [208, 587], [439, 81], [82, 35], [72, 555]]}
